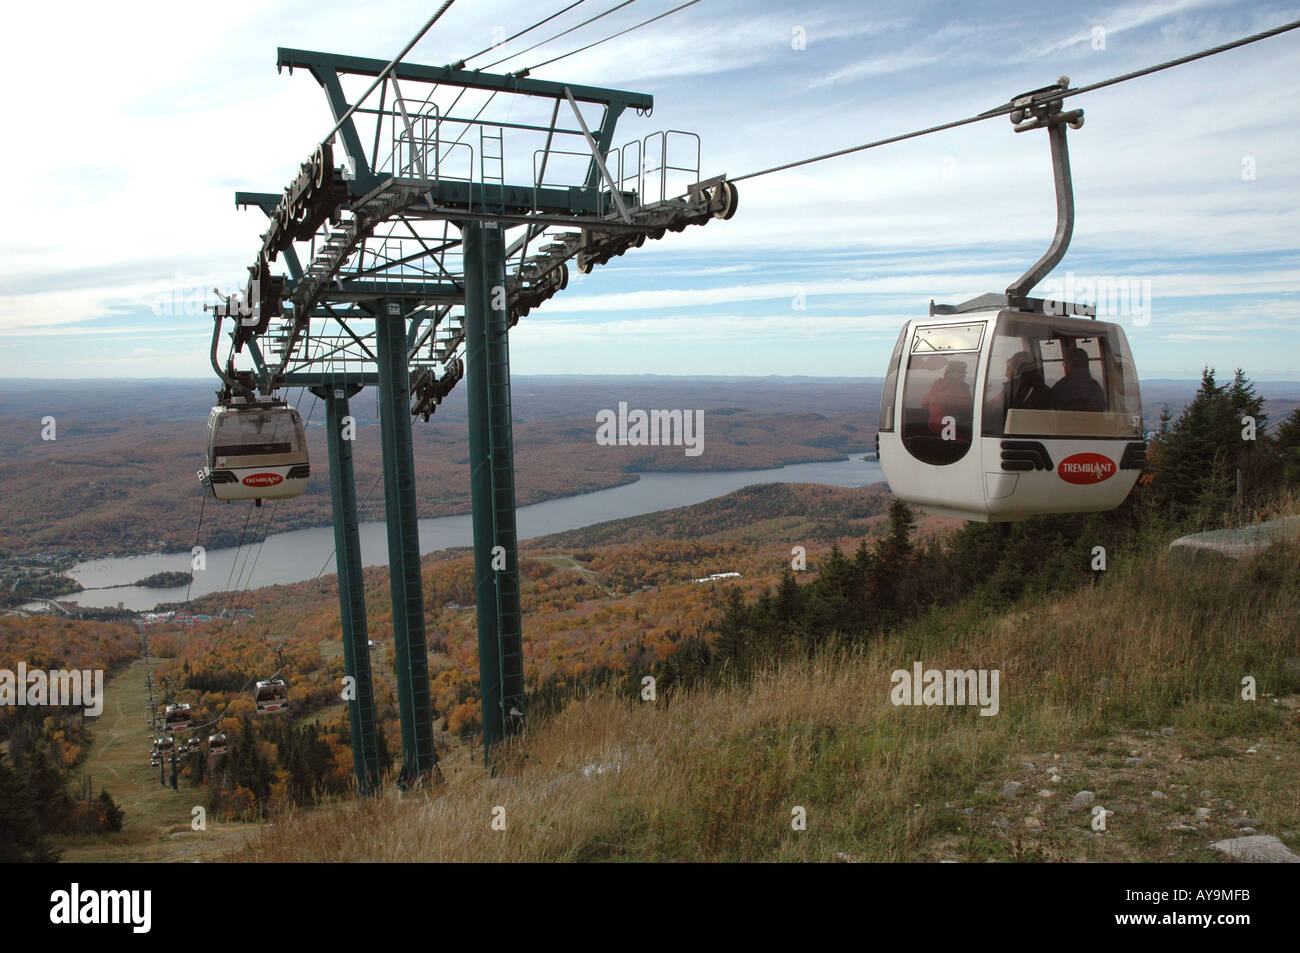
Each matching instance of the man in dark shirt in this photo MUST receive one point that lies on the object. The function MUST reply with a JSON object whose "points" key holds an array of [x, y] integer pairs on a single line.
{"points": [[1078, 389], [1023, 389], [949, 397]]}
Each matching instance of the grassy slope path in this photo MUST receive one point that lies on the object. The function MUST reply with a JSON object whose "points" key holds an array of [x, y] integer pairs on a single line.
{"points": [[157, 822], [563, 562]]}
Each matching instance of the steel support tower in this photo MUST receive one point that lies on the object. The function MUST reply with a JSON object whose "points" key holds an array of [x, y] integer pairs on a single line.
{"points": [[352, 593], [492, 478], [412, 658], [404, 274]]}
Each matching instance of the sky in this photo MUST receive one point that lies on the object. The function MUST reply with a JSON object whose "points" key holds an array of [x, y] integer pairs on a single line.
{"points": [[127, 150]]}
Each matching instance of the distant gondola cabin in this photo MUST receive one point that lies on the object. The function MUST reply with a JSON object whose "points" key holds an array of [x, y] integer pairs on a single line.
{"points": [[178, 717], [271, 695]]}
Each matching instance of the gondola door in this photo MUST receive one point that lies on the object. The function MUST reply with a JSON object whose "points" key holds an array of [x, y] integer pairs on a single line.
{"points": [[928, 447]]}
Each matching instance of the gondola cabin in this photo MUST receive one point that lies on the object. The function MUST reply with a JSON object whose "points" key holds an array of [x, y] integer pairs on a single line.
{"points": [[178, 717], [218, 744], [257, 450], [997, 414], [271, 695], [164, 745]]}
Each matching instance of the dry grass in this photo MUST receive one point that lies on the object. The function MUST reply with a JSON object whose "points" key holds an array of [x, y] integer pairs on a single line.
{"points": [[715, 775]]}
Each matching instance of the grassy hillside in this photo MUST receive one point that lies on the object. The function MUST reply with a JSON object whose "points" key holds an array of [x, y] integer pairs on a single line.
{"points": [[157, 823], [609, 597], [1129, 689]]}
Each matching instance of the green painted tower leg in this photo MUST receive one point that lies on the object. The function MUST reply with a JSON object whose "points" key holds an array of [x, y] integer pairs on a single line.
{"points": [[412, 664], [352, 593], [492, 482]]}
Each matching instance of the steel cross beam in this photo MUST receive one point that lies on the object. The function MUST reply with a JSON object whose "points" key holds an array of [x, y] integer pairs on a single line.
{"points": [[433, 292], [327, 68], [446, 76]]}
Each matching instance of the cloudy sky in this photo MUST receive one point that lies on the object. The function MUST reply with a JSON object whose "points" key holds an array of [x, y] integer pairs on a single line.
{"points": [[125, 150]]}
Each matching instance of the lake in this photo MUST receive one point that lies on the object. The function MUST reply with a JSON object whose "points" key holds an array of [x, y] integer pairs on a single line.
{"points": [[302, 554]]}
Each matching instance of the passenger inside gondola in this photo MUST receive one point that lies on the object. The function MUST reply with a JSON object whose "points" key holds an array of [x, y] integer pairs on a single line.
{"points": [[1078, 389], [1023, 389], [949, 397]]}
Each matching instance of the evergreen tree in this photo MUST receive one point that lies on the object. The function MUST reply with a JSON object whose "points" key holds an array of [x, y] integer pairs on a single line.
{"points": [[893, 580], [1178, 468], [113, 814], [47, 789], [22, 838], [732, 630], [862, 596], [1196, 461], [318, 757], [789, 605], [762, 622], [902, 521], [1252, 459], [385, 753], [1286, 449], [829, 602]]}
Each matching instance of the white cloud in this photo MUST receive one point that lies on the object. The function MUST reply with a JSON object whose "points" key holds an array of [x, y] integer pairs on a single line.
{"points": [[188, 107], [1165, 286], [943, 45], [1119, 20], [698, 43], [173, 333]]}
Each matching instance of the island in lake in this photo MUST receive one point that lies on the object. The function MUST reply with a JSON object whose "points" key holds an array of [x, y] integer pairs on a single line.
{"points": [[165, 580]]}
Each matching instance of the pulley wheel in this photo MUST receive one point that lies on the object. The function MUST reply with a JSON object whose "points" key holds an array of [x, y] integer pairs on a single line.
{"points": [[318, 167], [729, 197]]}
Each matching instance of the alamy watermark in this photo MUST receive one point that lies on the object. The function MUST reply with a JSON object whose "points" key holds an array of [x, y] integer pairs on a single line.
{"points": [[77, 688], [934, 686], [1114, 295], [182, 299], [655, 428], [77, 906]]}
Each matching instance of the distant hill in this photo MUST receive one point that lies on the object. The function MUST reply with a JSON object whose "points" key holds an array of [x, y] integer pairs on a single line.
{"points": [[121, 474], [120, 477]]}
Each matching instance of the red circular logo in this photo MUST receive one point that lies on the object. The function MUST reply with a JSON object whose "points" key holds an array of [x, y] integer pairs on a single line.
{"points": [[1083, 468], [263, 479]]}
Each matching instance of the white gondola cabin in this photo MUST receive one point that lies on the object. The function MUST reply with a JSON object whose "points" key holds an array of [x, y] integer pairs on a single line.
{"points": [[271, 695], [997, 415], [178, 717], [1008, 406], [257, 450], [218, 744]]}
